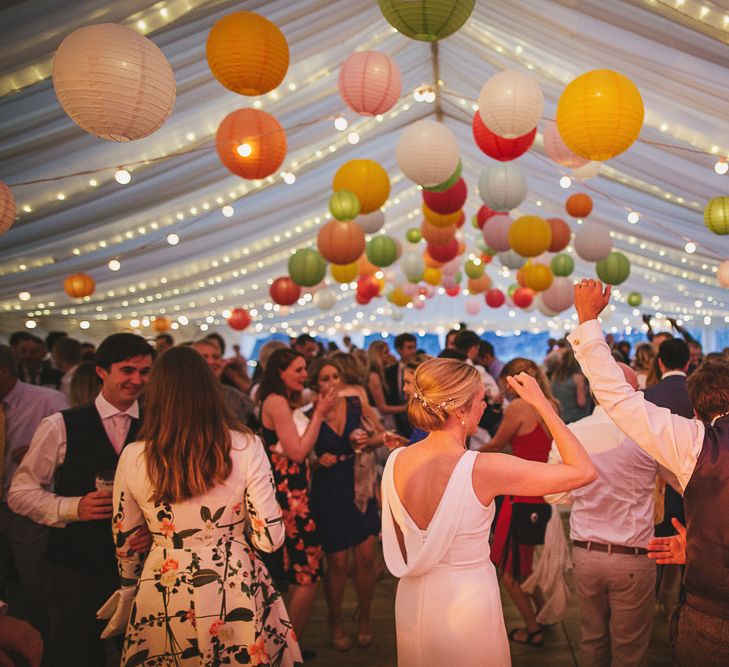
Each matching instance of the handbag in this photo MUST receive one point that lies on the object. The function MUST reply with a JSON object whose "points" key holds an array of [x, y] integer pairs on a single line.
{"points": [[529, 522]]}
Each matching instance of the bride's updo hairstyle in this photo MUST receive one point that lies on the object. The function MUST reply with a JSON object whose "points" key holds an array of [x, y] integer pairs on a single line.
{"points": [[440, 388]]}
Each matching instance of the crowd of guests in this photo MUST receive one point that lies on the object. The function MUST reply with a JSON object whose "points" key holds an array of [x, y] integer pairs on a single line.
{"points": [[258, 487]]}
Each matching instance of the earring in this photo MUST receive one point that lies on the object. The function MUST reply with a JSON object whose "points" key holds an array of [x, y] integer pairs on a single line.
{"points": [[463, 421]]}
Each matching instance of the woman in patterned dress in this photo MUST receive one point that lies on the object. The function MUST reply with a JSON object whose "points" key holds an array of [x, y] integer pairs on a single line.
{"points": [[202, 484]]}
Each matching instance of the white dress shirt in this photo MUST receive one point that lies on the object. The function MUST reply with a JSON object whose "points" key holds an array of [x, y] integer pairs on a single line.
{"points": [[617, 508], [489, 384], [65, 387], [31, 492], [674, 441]]}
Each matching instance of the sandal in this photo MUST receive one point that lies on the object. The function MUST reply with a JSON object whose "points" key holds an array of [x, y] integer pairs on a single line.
{"points": [[530, 637]]}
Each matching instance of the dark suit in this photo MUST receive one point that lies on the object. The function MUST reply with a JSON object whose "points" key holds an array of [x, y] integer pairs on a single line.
{"points": [[47, 376], [394, 396]]}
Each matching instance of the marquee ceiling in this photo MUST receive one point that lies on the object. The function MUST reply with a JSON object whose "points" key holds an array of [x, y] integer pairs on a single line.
{"points": [[675, 52]]}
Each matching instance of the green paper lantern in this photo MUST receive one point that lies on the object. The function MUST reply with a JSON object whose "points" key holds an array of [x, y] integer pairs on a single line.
{"points": [[635, 299], [307, 267], [426, 20], [381, 251], [413, 235], [450, 182], [474, 270], [512, 289], [613, 269], [344, 205], [716, 215], [562, 265]]}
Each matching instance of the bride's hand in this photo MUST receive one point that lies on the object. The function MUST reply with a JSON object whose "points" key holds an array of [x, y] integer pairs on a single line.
{"points": [[528, 389]]}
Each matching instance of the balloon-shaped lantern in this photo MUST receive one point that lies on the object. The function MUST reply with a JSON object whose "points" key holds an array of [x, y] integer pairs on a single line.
{"points": [[440, 219], [370, 223], [161, 324], [412, 266], [437, 235], [538, 277], [600, 114], [561, 234], [474, 269], [344, 273], [398, 297], [562, 265], [502, 186], [593, 242], [307, 267], [365, 267], [579, 205], [722, 274], [427, 152], [716, 215], [559, 296], [479, 285], [367, 180], [547, 312], [530, 235], [426, 20], [414, 235], [496, 232], [511, 103], [239, 319], [344, 205], [497, 147], [473, 306], [341, 242], [483, 214], [444, 253], [449, 182], [285, 291], [635, 298], [251, 143], [325, 298], [247, 53], [79, 285], [7, 208], [613, 269], [381, 250], [523, 297], [495, 298], [558, 151], [448, 201], [113, 82], [369, 83], [368, 287]]}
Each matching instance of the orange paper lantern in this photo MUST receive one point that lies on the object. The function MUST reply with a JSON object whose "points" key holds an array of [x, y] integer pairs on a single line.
{"points": [[560, 234], [161, 324], [479, 285], [579, 205], [365, 267], [79, 285], [239, 319], [437, 235], [7, 208], [341, 242]]}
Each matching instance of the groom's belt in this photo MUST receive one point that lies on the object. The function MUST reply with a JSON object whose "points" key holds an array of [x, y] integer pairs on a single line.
{"points": [[610, 548]]}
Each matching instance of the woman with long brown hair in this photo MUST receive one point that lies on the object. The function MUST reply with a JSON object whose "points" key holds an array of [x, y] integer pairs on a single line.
{"points": [[378, 357], [202, 484]]}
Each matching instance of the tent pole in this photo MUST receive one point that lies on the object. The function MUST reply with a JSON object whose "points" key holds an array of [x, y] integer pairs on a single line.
{"points": [[436, 80]]}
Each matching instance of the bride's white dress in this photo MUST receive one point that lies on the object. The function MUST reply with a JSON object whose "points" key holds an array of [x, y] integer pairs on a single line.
{"points": [[448, 608]]}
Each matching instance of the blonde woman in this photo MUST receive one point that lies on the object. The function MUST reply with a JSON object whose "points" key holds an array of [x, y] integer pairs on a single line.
{"points": [[437, 509], [642, 363], [379, 356]]}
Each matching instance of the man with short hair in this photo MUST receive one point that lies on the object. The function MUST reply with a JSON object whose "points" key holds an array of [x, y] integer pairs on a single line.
{"points": [[163, 342], [33, 367], [488, 359], [696, 356], [66, 353], [469, 343], [56, 484], [406, 347], [696, 451], [450, 339], [306, 346]]}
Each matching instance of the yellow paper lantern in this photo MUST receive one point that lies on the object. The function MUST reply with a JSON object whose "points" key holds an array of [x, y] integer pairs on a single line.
{"points": [[716, 215], [440, 219], [247, 53], [530, 235], [344, 273], [398, 297], [599, 114], [432, 276], [538, 277], [366, 179]]}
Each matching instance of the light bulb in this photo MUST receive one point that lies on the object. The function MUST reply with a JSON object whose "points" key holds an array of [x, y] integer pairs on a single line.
{"points": [[244, 150], [122, 176], [226, 313], [114, 265], [31, 324], [289, 178], [721, 167], [84, 324], [24, 296], [227, 211], [565, 182], [173, 239], [633, 217], [690, 247], [353, 138], [340, 123], [134, 324], [182, 320]]}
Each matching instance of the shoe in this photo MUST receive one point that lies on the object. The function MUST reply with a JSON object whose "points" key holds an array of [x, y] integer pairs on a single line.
{"points": [[530, 637], [341, 643], [308, 654], [364, 640]]}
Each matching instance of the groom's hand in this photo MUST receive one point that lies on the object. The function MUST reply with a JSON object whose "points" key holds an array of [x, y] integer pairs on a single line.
{"points": [[590, 299]]}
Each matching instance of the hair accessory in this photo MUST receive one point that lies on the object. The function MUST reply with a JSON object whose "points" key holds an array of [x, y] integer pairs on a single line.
{"points": [[429, 405]]}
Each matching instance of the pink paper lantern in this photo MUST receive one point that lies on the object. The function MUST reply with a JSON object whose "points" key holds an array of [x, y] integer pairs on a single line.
{"points": [[418, 304], [559, 295], [496, 232], [369, 83], [473, 306], [557, 150], [7, 208]]}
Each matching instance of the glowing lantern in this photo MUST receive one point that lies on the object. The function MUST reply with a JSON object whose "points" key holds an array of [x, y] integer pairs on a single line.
{"points": [[511, 103], [239, 319], [538, 277], [413, 235], [474, 270], [558, 151], [579, 205], [369, 83], [426, 20], [427, 152], [440, 219], [344, 273], [444, 253], [479, 285], [497, 147], [251, 143], [7, 208], [448, 183], [613, 269], [561, 234], [448, 201], [593, 242], [560, 296], [247, 53], [370, 223], [502, 186], [340, 242], [398, 297], [432, 276], [284, 291], [325, 298], [307, 267], [530, 235], [495, 298], [496, 232], [562, 265], [366, 179], [716, 215], [599, 114], [365, 267], [344, 205], [635, 298], [161, 324], [113, 82], [79, 285], [381, 251], [523, 297], [437, 235]]}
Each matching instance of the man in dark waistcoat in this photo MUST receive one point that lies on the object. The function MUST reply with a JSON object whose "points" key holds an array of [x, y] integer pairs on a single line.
{"points": [[696, 451], [60, 483]]}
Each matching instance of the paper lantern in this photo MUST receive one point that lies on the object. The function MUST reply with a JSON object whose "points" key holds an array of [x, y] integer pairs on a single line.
{"points": [[161, 324], [426, 20], [432, 276], [579, 205], [511, 103], [398, 297], [367, 180], [453, 290], [284, 291], [479, 285], [599, 114], [613, 269], [530, 235], [340, 242], [113, 82], [558, 151], [437, 235], [444, 253], [368, 287], [562, 265], [440, 219], [427, 152], [344, 273], [381, 250], [716, 215], [461, 218], [722, 274], [365, 267], [590, 170], [511, 259], [325, 298], [538, 277], [495, 298], [474, 270], [473, 306], [7, 208], [307, 267], [523, 297], [635, 298], [547, 312], [561, 234], [344, 205], [502, 186], [483, 214], [239, 319], [448, 183], [369, 83], [251, 143], [497, 147], [593, 242], [560, 296], [452, 267], [247, 53], [448, 201], [496, 232], [370, 223], [414, 235], [412, 266], [79, 285]]}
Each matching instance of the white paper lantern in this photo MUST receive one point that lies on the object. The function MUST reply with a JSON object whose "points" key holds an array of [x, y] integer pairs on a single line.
{"points": [[371, 223], [496, 232], [547, 312], [325, 298], [7, 208], [511, 103], [722, 275], [593, 242], [588, 171], [558, 151], [113, 82], [559, 295], [511, 259], [502, 186], [427, 152], [412, 265]]}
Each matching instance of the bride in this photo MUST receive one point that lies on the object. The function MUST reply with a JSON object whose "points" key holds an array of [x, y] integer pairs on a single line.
{"points": [[437, 509]]}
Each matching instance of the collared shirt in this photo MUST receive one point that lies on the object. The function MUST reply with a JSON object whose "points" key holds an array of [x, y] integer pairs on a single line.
{"points": [[674, 441], [617, 508], [668, 374], [27, 405], [31, 493], [65, 387], [489, 384]]}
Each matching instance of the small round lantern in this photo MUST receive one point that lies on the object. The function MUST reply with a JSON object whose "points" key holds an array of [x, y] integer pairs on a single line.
{"points": [[412, 266], [427, 152], [344, 205], [251, 143], [561, 234], [7, 208], [368, 287], [284, 291], [398, 297], [247, 53], [716, 215], [453, 290], [381, 250], [511, 103], [307, 267], [79, 285], [440, 219], [558, 151], [500, 148], [502, 186], [512, 260], [239, 319], [325, 298], [426, 20], [344, 273], [437, 235], [473, 306], [593, 242], [369, 83], [414, 235], [448, 201], [432, 276], [538, 277], [367, 180], [530, 235], [113, 82], [560, 296], [474, 270], [613, 269], [479, 285], [579, 205], [430, 262], [635, 299], [496, 232], [444, 253], [547, 312], [523, 297], [562, 265], [370, 223], [722, 274], [495, 298], [161, 324], [340, 242]]}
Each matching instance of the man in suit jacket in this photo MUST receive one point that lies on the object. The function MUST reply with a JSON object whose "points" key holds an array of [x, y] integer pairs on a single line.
{"points": [[406, 347], [33, 367]]}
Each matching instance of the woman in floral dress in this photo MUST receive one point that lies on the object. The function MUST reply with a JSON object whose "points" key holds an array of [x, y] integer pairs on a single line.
{"points": [[203, 486]]}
